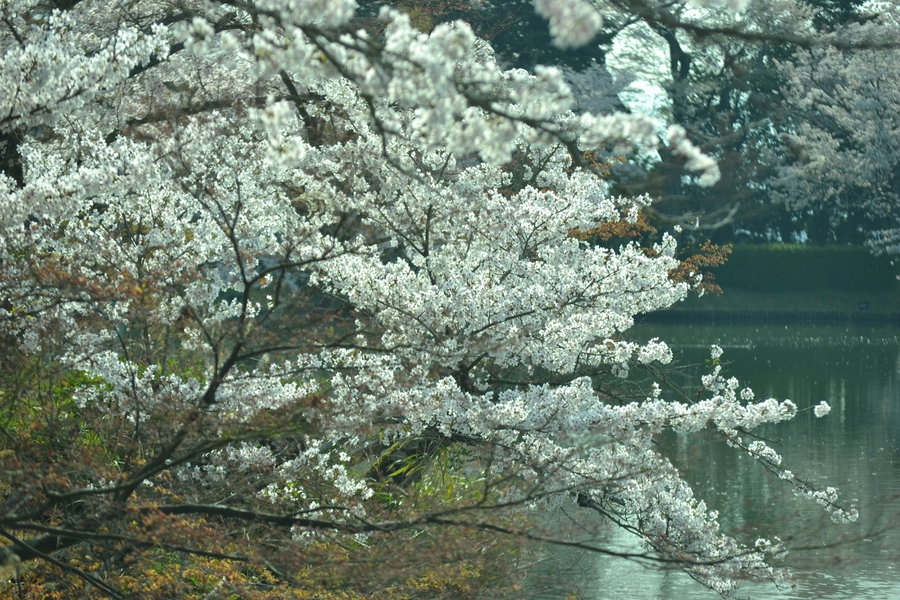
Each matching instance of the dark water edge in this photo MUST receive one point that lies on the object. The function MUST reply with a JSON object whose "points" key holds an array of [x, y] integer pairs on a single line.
{"points": [[688, 317]]}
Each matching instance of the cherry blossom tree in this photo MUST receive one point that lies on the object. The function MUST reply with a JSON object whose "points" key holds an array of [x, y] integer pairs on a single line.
{"points": [[737, 81], [796, 102], [265, 265], [842, 140]]}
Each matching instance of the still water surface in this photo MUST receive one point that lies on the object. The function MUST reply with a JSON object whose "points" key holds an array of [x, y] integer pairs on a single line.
{"points": [[856, 448]]}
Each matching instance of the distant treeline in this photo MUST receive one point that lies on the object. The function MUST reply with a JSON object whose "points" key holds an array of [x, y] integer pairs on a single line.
{"points": [[796, 268]]}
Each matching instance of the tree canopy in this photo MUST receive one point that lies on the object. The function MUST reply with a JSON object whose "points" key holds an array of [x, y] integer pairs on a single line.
{"points": [[291, 281], [736, 81]]}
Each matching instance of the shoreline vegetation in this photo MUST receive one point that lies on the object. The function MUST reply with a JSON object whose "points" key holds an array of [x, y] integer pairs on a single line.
{"points": [[781, 283]]}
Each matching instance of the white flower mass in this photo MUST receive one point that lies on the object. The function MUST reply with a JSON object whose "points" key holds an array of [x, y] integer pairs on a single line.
{"points": [[198, 180]]}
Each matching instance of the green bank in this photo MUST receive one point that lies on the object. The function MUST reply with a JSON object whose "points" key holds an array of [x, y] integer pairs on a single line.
{"points": [[789, 282]]}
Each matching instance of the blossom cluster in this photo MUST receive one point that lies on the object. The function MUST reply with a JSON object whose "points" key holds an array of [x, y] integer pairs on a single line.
{"points": [[195, 196]]}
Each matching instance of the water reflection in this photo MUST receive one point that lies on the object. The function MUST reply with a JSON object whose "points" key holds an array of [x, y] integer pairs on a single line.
{"points": [[856, 448]]}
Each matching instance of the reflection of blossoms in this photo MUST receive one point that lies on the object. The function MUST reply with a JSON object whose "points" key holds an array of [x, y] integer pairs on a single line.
{"points": [[821, 409]]}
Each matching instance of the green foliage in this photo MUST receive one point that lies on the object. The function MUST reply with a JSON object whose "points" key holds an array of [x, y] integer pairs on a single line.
{"points": [[46, 411]]}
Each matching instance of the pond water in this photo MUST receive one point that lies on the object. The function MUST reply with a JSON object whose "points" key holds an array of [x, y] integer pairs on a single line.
{"points": [[856, 448]]}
